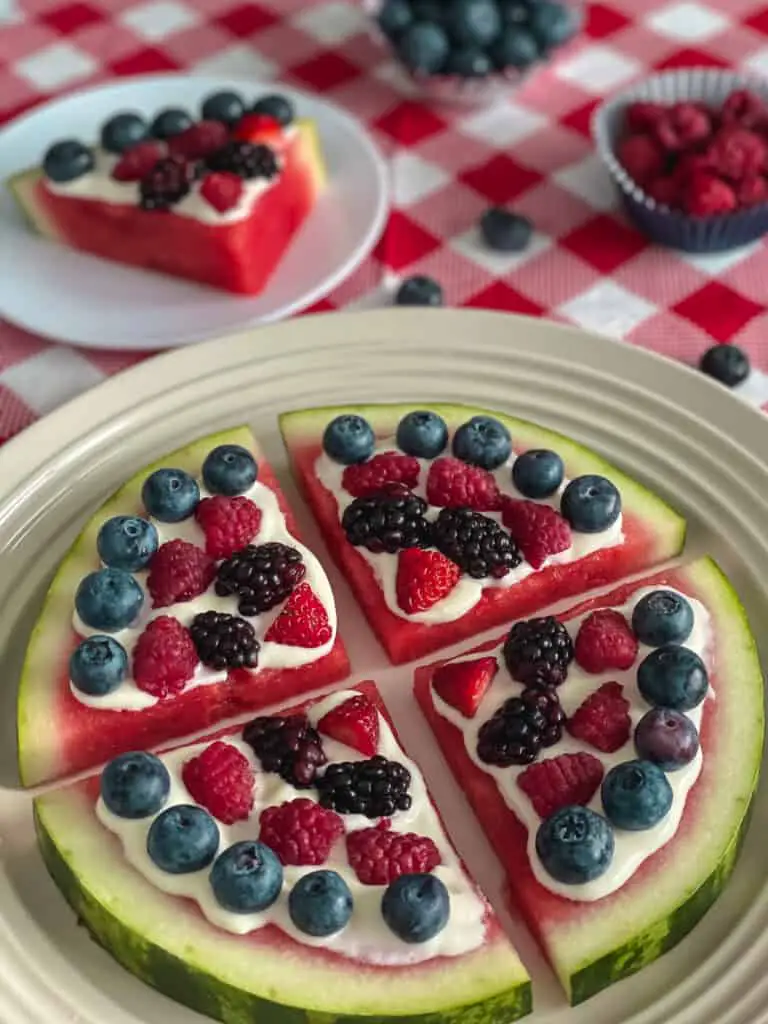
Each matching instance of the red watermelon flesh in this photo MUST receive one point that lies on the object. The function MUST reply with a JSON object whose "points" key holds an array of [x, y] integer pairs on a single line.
{"points": [[653, 532], [593, 944]]}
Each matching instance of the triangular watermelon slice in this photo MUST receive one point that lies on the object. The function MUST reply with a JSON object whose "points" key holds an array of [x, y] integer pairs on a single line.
{"points": [[647, 532], [59, 733], [661, 879], [262, 966]]}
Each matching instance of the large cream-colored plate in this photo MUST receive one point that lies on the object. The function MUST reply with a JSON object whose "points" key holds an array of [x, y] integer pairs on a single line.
{"points": [[671, 427]]}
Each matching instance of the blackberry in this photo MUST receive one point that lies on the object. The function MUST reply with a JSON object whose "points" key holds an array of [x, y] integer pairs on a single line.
{"points": [[476, 543], [224, 641], [390, 520], [166, 184], [261, 576], [376, 787], [538, 652], [288, 746], [517, 731], [246, 159]]}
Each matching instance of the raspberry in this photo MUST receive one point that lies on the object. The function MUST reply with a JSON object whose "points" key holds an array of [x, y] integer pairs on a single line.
{"points": [[463, 684], [222, 190], [378, 856], [259, 128], [752, 190], [736, 153], [354, 722], [164, 658], [689, 165], [179, 571], [561, 781], [303, 622], [455, 484], [641, 158], [221, 779], [603, 719], [665, 190], [708, 195], [228, 524], [682, 126], [605, 642], [745, 109], [199, 140], [642, 116], [137, 162], [539, 530], [369, 477], [423, 579], [300, 831]]}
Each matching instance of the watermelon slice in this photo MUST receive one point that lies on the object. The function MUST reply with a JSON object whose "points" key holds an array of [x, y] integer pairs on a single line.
{"points": [[271, 972], [593, 944], [59, 734], [237, 254], [651, 532]]}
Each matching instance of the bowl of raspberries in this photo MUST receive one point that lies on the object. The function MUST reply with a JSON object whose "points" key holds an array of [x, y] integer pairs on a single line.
{"points": [[688, 151], [472, 51]]}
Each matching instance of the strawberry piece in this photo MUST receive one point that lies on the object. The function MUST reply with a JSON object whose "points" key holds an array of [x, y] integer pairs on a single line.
{"points": [[745, 109], [452, 483], [378, 473], [539, 530], [707, 195], [221, 780], [561, 781], [641, 158], [229, 524], [463, 684], [137, 161], [736, 153], [164, 658], [303, 622], [259, 128], [354, 722], [300, 831], [378, 856], [603, 719], [222, 190], [179, 571], [199, 140], [605, 642], [423, 579]]}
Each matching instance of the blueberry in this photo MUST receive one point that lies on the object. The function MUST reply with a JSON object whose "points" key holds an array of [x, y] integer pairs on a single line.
{"points": [[419, 290], [394, 17], [108, 600], [473, 22], [169, 122], [67, 160], [135, 785], [575, 845], [170, 495], [320, 903], [662, 617], [276, 106], [123, 131], [514, 12], [348, 439], [424, 47], [423, 434], [183, 839], [247, 878], [127, 542], [416, 907], [98, 665], [482, 441], [636, 795], [229, 469], [553, 23], [673, 677], [227, 107], [591, 504], [468, 62], [726, 363], [538, 473], [505, 231], [515, 48], [666, 737]]}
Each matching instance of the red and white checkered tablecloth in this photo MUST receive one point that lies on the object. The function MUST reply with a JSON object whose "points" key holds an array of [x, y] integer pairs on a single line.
{"points": [[585, 266]]}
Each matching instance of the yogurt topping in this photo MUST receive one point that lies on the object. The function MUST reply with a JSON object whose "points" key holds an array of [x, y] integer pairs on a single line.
{"points": [[128, 696], [468, 591], [366, 937], [632, 848]]}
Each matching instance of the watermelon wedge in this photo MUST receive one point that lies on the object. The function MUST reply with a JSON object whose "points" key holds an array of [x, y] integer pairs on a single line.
{"points": [[266, 968], [59, 734], [650, 532], [593, 942]]}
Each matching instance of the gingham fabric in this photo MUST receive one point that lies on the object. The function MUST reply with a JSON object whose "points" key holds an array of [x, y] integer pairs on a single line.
{"points": [[585, 266]]}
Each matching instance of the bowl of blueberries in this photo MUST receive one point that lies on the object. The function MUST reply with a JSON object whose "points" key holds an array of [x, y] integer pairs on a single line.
{"points": [[473, 51]]}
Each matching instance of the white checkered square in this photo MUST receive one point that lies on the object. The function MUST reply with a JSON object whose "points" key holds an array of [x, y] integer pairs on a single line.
{"points": [[688, 22], [159, 19], [608, 309], [55, 66], [597, 69]]}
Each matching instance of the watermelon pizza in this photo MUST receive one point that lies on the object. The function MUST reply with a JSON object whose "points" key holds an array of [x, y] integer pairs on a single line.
{"points": [[187, 598], [610, 754]]}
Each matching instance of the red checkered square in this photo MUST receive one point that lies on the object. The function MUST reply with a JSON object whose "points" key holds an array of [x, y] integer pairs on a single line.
{"points": [[718, 310], [504, 297], [72, 17], [325, 71], [690, 58], [604, 21], [144, 61], [580, 119], [404, 242], [410, 123], [605, 243], [246, 19], [500, 179]]}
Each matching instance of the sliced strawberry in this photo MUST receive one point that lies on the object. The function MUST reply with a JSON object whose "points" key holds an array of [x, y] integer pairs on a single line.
{"points": [[455, 484], [561, 781], [222, 190], [137, 161], [423, 579], [354, 722], [539, 530], [603, 719], [259, 128], [379, 473], [605, 642], [303, 622], [463, 684]]}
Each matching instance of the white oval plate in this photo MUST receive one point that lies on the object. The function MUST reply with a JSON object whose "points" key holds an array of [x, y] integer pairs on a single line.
{"points": [[674, 429], [70, 296]]}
